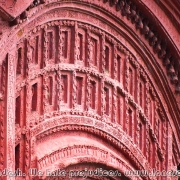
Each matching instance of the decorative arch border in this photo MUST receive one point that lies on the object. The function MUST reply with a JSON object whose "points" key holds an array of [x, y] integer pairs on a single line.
{"points": [[113, 134], [84, 154]]}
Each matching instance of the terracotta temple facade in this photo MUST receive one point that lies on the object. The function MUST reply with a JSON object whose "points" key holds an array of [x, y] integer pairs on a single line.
{"points": [[88, 84]]}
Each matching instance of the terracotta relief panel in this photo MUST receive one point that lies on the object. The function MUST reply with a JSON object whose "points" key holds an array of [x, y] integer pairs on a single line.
{"points": [[64, 39], [30, 51], [108, 101], [109, 58], [65, 89], [141, 132], [34, 100], [159, 128], [81, 47], [94, 49], [80, 91], [121, 108], [142, 92], [132, 123], [20, 154], [151, 109], [20, 61], [175, 153], [18, 110], [67, 44], [52, 43], [49, 91], [132, 78], [94, 94]]}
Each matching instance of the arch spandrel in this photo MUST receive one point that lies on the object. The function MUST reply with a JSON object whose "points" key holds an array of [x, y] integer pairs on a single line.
{"points": [[58, 47]]}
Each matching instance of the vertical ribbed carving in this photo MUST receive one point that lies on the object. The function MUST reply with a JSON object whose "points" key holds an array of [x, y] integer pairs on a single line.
{"points": [[77, 50], [59, 90], [45, 50], [74, 89], [45, 93], [147, 149], [60, 45], [27, 151], [89, 50], [126, 73], [103, 55], [114, 108], [29, 56], [164, 143], [137, 85], [28, 104], [137, 137], [102, 97], [115, 62], [126, 117], [146, 98], [88, 97]]}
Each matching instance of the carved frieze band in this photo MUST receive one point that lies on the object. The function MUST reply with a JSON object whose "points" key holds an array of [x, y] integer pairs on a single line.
{"points": [[85, 151], [85, 124]]}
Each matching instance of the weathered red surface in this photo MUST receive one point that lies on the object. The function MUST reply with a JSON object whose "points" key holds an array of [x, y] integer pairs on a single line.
{"points": [[92, 89], [10, 9]]}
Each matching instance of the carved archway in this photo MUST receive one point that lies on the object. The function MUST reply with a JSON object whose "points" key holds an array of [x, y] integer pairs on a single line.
{"points": [[74, 73]]}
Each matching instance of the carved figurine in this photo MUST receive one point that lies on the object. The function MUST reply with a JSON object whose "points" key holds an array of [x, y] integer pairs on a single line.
{"points": [[30, 52], [91, 47]]}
